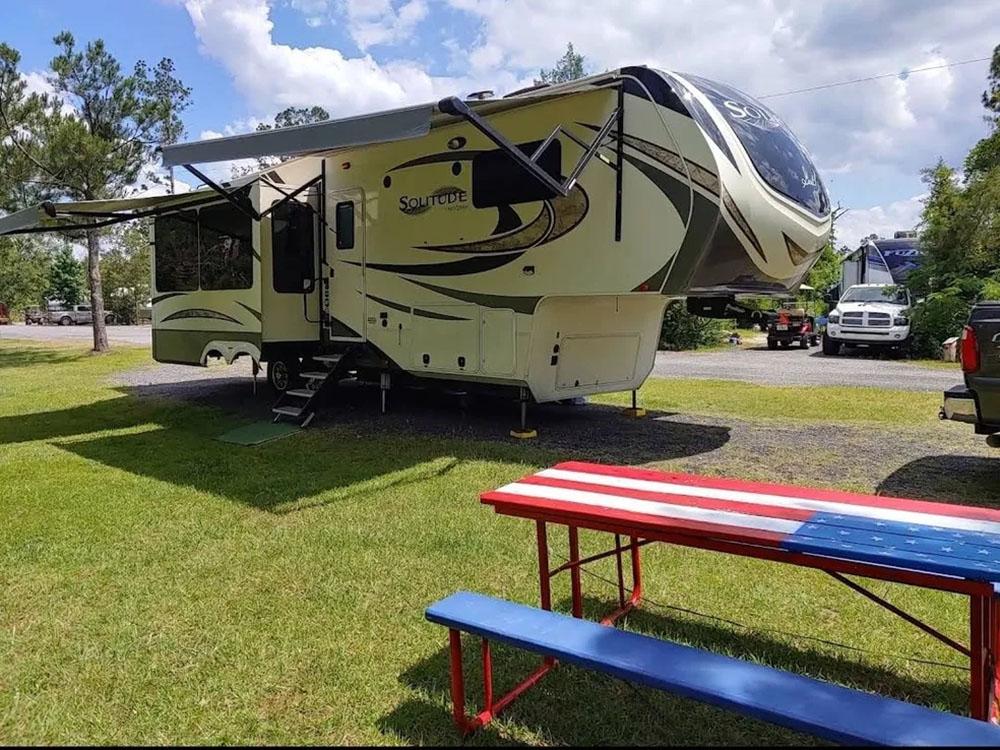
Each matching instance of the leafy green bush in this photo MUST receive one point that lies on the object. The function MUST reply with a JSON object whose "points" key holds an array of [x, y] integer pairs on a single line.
{"points": [[938, 317], [681, 330]]}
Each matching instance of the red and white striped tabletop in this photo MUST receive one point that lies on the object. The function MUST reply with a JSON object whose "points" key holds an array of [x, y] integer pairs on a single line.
{"points": [[953, 540]]}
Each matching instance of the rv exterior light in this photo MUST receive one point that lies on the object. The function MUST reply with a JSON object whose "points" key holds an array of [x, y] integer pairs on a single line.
{"points": [[481, 95], [346, 165]]}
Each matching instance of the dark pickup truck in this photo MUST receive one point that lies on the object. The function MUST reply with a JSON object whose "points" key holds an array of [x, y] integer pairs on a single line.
{"points": [[978, 401]]}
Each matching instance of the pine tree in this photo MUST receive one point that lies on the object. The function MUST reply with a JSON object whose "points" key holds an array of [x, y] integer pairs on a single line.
{"points": [[91, 140], [65, 277], [569, 67]]}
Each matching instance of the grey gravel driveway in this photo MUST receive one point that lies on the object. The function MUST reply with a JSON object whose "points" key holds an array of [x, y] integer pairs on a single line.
{"points": [[136, 335], [753, 363]]}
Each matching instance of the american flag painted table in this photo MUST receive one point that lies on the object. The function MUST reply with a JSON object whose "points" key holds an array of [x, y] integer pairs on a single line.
{"points": [[934, 545]]}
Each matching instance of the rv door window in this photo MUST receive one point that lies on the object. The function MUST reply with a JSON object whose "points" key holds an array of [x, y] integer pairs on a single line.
{"points": [[293, 247], [226, 241], [345, 225], [176, 238], [498, 180]]}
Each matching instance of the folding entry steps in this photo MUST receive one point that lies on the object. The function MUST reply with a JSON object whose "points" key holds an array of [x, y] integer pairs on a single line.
{"points": [[299, 403]]}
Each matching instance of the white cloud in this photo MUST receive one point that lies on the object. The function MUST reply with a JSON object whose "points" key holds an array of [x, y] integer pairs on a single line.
{"points": [[369, 22], [316, 12], [272, 76], [881, 220], [373, 22]]}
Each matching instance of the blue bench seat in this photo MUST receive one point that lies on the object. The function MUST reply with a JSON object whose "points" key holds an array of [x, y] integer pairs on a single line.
{"points": [[794, 701]]}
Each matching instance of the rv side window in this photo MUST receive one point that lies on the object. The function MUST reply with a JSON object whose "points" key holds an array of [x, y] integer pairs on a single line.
{"points": [[226, 241], [176, 252], [345, 225], [293, 247], [497, 180]]}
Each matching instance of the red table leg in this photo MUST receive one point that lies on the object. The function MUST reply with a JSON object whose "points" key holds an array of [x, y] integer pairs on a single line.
{"points": [[633, 601], [574, 571], [543, 565], [993, 675], [980, 646], [619, 570]]}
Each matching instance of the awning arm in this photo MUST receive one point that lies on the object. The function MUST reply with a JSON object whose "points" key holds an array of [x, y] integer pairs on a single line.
{"points": [[457, 108], [228, 195], [290, 196]]}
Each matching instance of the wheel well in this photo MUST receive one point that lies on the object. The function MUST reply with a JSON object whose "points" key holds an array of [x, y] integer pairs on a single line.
{"points": [[229, 351]]}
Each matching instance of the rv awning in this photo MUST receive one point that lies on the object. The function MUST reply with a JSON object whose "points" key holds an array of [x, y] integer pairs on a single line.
{"points": [[381, 127], [48, 217]]}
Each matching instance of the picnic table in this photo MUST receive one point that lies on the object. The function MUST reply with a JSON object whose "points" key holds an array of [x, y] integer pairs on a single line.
{"points": [[938, 546]]}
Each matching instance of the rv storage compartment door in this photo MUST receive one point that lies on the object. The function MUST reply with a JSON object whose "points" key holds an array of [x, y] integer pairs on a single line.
{"points": [[446, 338], [592, 344], [598, 360], [498, 341]]}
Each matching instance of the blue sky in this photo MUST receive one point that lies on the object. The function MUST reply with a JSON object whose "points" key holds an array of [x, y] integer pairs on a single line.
{"points": [[247, 59]]}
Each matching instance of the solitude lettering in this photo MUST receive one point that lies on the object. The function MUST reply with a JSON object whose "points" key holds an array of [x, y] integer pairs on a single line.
{"points": [[449, 196]]}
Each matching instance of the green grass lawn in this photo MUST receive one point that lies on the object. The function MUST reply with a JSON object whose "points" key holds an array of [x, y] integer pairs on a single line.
{"points": [[157, 585], [937, 364], [750, 401]]}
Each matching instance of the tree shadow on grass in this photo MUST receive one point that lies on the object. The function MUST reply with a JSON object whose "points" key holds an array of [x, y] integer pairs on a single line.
{"points": [[577, 707], [968, 480], [28, 356]]}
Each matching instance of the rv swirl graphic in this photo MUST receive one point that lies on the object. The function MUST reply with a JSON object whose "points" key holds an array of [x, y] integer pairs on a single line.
{"points": [[447, 196]]}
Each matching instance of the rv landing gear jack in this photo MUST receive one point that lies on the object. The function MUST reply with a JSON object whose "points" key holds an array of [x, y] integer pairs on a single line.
{"points": [[255, 369], [524, 433], [385, 383], [634, 410]]}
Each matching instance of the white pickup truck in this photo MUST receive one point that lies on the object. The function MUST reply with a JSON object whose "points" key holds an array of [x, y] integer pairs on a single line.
{"points": [[869, 315]]}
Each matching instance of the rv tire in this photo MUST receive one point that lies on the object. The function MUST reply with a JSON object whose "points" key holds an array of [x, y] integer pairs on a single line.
{"points": [[282, 373]]}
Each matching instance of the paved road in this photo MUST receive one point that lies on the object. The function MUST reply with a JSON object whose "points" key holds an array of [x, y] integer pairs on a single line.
{"points": [[137, 335], [757, 364]]}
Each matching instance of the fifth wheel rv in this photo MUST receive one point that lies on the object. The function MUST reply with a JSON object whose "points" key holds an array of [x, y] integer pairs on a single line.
{"points": [[527, 243]]}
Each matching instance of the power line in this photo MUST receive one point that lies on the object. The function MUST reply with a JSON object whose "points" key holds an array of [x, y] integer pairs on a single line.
{"points": [[874, 78]]}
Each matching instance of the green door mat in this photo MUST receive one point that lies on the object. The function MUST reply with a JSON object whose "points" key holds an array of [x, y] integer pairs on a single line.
{"points": [[258, 432]]}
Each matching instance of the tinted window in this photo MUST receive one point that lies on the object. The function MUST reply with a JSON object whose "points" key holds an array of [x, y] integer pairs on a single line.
{"points": [[498, 180], [226, 241], [293, 247], [775, 152], [895, 294], [700, 115], [83, 308], [345, 225], [176, 237]]}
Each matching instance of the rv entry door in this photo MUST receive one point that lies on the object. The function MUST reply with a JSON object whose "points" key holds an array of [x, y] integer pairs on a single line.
{"points": [[344, 280]]}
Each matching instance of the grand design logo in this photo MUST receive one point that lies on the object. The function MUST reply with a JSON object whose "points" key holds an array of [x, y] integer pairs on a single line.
{"points": [[449, 196], [752, 114]]}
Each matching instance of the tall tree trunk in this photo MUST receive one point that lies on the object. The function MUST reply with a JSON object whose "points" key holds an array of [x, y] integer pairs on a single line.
{"points": [[96, 290]]}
